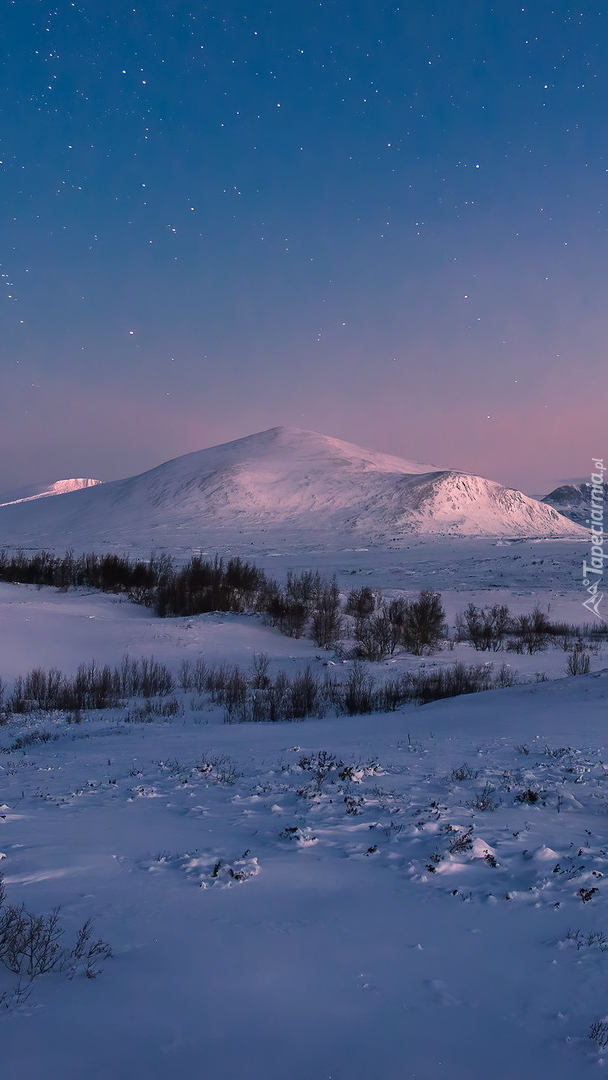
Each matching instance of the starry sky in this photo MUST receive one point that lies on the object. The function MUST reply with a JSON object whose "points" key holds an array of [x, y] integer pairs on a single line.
{"points": [[383, 221]]}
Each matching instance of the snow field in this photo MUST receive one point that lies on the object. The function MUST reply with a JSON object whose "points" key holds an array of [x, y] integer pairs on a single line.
{"points": [[403, 896]]}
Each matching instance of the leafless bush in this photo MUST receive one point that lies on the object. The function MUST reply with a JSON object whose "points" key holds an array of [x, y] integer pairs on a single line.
{"points": [[424, 625], [358, 691], [464, 772], [375, 636], [485, 628], [321, 767], [505, 676], [598, 1031], [192, 675], [260, 679], [360, 602], [531, 633], [450, 682], [12, 1000], [484, 800], [588, 940], [327, 618], [579, 661], [394, 693], [30, 944], [88, 951], [353, 804], [146, 713], [220, 769], [528, 796], [462, 840]]}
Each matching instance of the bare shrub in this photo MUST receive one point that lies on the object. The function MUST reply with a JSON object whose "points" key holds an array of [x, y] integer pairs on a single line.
{"points": [[220, 769], [464, 772], [579, 661], [260, 679], [598, 1031], [374, 636], [360, 603], [531, 632], [450, 682], [462, 840], [30, 944], [485, 628], [358, 691], [327, 618], [424, 625], [394, 693], [305, 695], [31, 738], [484, 800], [505, 676], [528, 796]]}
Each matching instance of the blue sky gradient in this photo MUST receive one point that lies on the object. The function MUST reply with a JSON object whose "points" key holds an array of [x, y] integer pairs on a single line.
{"points": [[385, 222]]}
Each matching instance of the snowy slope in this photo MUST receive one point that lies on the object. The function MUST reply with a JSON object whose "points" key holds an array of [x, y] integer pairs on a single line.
{"points": [[284, 483], [42, 491]]}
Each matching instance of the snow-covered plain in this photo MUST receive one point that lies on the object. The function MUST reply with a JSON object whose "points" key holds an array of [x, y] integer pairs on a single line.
{"points": [[343, 933], [401, 896]]}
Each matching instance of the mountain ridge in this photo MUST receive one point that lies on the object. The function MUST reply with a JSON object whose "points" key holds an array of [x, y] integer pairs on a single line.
{"points": [[285, 482], [573, 500], [45, 490]]}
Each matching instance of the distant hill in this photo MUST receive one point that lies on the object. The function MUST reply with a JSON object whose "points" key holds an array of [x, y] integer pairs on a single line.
{"points": [[573, 500], [43, 491], [279, 484]]}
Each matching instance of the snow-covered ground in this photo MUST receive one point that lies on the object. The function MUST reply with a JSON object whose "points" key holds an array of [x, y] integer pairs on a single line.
{"points": [[412, 895]]}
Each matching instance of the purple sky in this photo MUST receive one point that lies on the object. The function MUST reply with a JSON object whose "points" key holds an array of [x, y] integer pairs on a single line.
{"points": [[384, 223]]}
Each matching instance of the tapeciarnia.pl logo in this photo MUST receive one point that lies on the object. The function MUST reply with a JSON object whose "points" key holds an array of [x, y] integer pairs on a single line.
{"points": [[593, 572]]}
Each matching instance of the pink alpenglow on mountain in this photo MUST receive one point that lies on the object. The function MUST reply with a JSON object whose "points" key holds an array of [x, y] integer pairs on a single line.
{"points": [[284, 485], [43, 491]]}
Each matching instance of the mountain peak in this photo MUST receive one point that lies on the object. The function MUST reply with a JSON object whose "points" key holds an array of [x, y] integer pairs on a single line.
{"points": [[284, 483], [44, 490]]}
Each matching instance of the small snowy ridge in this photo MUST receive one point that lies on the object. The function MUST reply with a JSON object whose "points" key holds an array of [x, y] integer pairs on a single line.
{"points": [[43, 491], [207, 870]]}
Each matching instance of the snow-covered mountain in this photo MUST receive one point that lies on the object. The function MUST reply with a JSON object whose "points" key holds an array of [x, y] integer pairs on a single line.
{"points": [[42, 491], [278, 485], [573, 500]]}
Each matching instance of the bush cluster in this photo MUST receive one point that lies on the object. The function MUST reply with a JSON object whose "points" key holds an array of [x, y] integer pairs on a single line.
{"points": [[256, 695], [246, 695], [109, 573], [306, 605], [379, 627], [30, 945], [92, 687], [493, 628]]}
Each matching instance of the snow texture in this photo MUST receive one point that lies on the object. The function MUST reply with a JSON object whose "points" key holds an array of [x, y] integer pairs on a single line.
{"points": [[402, 896]]}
